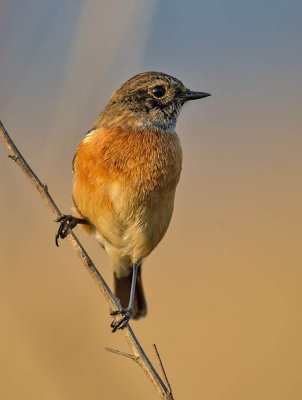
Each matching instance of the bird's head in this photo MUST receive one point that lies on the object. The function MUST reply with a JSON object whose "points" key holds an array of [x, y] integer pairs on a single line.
{"points": [[148, 101]]}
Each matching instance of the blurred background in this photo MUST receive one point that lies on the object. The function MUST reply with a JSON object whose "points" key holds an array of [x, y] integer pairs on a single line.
{"points": [[224, 286]]}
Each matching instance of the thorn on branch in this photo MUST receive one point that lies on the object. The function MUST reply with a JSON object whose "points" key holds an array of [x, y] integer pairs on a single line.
{"points": [[14, 158]]}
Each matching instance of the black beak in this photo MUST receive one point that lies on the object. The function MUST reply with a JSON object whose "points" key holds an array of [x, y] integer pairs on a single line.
{"points": [[190, 95]]}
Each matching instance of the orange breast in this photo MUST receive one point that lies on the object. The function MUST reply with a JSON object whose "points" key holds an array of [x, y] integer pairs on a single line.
{"points": [[122, 178]]}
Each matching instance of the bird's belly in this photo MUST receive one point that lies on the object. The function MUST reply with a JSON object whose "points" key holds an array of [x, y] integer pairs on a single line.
{"points": [[134, 227]]}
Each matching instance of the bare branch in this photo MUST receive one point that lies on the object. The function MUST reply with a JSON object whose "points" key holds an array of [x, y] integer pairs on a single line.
{"points": [[121, 353], [138, 353], [162, 367]]}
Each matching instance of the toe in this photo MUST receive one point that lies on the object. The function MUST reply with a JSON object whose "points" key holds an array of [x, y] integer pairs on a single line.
{"points": [[122, 311], [121, 323]]}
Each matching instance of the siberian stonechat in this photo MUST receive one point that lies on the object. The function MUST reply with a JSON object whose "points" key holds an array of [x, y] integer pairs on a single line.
{"points": [[126, 171]]}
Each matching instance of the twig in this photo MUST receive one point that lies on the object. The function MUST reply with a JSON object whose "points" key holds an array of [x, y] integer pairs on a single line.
{"points": [[138, 355], [121, 353], [162, 367]]}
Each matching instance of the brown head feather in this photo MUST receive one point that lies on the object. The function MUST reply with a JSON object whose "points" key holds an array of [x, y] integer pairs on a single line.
{"points": [[150, 100]]}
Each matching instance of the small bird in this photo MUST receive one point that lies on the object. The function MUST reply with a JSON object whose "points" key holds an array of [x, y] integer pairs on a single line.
{"points": [[126, 171]]}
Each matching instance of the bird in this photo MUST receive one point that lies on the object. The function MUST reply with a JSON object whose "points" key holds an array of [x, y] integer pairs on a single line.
{"points": [[126, 169]]}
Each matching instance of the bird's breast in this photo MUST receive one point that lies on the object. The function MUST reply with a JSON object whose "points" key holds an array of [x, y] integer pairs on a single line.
{"points": [[146, 161], [125, 184]]}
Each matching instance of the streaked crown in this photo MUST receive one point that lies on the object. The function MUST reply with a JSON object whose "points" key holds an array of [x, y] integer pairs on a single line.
{"points": [[148, 101]]}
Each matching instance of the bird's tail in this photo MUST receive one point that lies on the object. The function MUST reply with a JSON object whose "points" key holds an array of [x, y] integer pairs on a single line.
{"points": [[122, 288]]}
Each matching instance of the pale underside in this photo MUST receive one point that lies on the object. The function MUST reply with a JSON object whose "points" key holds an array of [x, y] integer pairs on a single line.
{"points": [[133, 230], [125, 186]]}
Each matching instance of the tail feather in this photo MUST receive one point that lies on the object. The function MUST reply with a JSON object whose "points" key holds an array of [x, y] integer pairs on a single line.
{"points": [[122, 287]]}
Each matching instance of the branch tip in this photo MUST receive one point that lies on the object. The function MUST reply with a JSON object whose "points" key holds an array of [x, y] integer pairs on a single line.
{"points": [[121, 353], [162, 368]]}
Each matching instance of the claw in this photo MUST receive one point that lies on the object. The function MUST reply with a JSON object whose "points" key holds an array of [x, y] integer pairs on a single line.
{"points": [[68, 222], [123, 311], [122, 323]]}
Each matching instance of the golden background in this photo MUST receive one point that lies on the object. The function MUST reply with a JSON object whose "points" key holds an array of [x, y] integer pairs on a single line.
{"points": [[224, 286]]}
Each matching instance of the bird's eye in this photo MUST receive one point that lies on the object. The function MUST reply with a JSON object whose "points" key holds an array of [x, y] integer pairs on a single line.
{"points": [[159, 91]]}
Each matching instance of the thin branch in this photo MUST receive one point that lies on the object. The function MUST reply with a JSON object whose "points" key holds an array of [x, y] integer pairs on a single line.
{"points": [[162, 367], [121, 353], [138, 353]]}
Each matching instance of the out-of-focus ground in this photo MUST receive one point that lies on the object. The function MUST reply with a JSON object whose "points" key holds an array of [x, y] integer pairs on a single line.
{"points": [[224, 286]]}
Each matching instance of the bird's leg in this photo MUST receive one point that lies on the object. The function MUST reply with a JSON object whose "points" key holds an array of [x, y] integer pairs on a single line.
{"points": [[126, 312], [68, 222]]}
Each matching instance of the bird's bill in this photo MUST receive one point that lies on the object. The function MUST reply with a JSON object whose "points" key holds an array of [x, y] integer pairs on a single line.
{"points": [[190, 95]]}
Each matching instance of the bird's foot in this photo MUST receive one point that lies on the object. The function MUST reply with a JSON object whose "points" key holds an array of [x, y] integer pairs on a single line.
{"points": [[121, 323], [67, 222]]}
